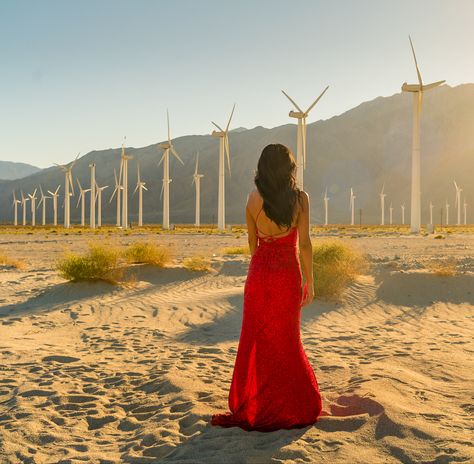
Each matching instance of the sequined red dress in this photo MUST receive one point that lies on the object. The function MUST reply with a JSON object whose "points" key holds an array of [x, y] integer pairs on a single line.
{"points": [[273, 384]]}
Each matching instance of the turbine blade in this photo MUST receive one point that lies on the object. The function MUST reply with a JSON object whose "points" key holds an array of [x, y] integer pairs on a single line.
{"points": [[161, 160], [317, 99], [175, 153], [168, 120], [416, 63], [162, 188], [197, 161], [138, 172], [303, 130], [231, 114], [227, 151], [220, 128], [292, 101], [433, 85]]}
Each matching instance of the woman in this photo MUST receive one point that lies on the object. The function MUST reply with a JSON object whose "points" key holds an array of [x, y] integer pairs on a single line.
{"points": [[273, 385]]}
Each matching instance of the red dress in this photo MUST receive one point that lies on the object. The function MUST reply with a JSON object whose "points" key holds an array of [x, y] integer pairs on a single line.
{"points": [[273, 384]]}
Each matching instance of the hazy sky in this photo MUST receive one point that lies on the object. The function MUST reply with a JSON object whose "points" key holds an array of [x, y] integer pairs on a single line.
{"points": [[79, 75]]}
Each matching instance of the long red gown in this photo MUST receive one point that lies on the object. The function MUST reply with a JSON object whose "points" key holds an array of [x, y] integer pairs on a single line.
{"points": [[273, 384]]}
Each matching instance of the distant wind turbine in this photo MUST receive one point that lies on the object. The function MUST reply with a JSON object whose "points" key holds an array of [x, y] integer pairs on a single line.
{"points": [[457, 202], [124, 158], [93, 196], [98, 198], [82, 200], [301, 116], [417, 90], [15, 209], [222, 135], [140, 187], [391, 213], [43, 209], [447, 213], [197, 182], [352, 207], [23, 206], [165, 187], [117, 191], [382, 204], [465, 212], [67, 169], [403, 213], [326, 207], [431, 213], [33, 207], [55, 195]]}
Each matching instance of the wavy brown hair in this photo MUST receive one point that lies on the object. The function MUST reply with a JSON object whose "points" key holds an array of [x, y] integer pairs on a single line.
{"points": [[275, 180]]}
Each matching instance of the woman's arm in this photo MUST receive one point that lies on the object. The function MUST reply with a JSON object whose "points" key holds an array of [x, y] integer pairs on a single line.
{"points": [[306, 248], [251, 227]]}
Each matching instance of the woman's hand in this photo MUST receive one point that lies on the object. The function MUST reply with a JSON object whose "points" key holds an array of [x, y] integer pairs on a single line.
{"points": [[308, 294]]}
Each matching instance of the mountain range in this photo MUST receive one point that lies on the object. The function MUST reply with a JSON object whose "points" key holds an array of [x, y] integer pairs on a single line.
{"points": [[9, 170], [363, 148]]}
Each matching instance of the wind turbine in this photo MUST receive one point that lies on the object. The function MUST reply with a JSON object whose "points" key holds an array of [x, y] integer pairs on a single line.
{"points": [[431, 213], [82, 196], [165, 187], [222, 135], [33, 207], [93, 196], [197, 182], [140, 187], [55, 195], [391, 213], [43, 202], [403, 213], [15, 209], [124, 159], [301, 116], [98, 198], [457, 202], [417, 90], [326, 205], [382, 204], [352, 206], [23, 206], [447, 213], [465, 212], [117, 190], [67, 169]]}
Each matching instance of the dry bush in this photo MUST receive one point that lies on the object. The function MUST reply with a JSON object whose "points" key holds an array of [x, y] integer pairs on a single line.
{"points": [[197, 263], [334, 266], [9, 262], [100, 262], [147, 253], [245, 250], [440, 267]]}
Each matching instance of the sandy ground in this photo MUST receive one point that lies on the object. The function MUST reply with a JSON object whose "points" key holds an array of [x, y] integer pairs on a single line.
{"points": [[92, 373]]}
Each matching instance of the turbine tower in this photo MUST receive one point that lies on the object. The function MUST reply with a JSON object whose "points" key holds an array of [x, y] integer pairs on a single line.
{"points": [[457, 202], [98, 198], [93, 196], [352, 206], [403, 213], [197, 182], [465, 212], [391, 213], [301, 116], [140, 187], [417, 90], [326, 207], [67, 169], [15, 209], [117, 191], [43, 209], [165, 188], [382, 204], [55, 195], [23, 207], [82, 196], [431, 213], [447, 213], [222, 135], [124, 167], [33, 207]]}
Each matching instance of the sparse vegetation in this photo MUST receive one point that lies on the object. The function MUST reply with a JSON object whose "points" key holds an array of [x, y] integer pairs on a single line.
{"points": [[10, 262], [100, 262], [197, 263], [444, 268], [335, 265], [236, 250], [439, 236], [147, 253]]}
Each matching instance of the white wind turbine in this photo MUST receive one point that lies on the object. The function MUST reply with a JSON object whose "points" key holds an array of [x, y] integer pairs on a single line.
{"points": [[417, 90], [140, 187], [222, 135], [124, 167], [15, 209], [391, 213], [403, 213], [43, 209], [93, 196], [431, 213], [447, 213], [55, 195], [117, 191], [98, 198], [457, 202], [33, 207], [301, 116], [352, 206], [465, 212], [165, 187], [67, 169], [197, 182], [23, 206], [82, 200], [382, 204], [326, 207]]}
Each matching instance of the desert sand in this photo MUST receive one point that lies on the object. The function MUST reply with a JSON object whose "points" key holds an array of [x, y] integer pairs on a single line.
{"points": [[96, 373]]}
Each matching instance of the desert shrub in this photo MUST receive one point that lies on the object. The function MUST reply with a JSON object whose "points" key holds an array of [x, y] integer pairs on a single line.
{"points": [[98, 263], [11, 262], [197, 263], [147, 253], [236, 250], [444, 268], [335, 265], [439, 236]]}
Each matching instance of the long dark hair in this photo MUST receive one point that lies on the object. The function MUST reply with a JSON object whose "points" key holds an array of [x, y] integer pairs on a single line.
{"points": [[275, 179]]}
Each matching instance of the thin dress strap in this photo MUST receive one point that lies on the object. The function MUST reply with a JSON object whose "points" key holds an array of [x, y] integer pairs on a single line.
{"points": [[272, 235]]}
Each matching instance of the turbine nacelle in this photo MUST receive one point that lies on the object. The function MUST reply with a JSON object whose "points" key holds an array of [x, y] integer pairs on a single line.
{"points": [[218, 133], [297, 114]]}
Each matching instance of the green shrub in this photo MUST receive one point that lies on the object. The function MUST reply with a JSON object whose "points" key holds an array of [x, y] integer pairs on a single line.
{"points": [[197, 263], [147, 253], [236, 251]]}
